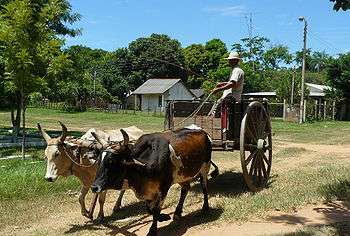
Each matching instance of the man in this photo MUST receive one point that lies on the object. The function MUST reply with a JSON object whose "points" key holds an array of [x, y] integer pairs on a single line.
{"points": [[232, 90]]}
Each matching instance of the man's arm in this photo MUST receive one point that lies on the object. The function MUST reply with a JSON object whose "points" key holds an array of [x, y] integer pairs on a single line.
{"points": [[225, 85]]}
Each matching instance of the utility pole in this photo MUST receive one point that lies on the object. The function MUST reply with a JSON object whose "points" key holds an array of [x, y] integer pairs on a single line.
{"points": [[250, 34], [302, 115]]}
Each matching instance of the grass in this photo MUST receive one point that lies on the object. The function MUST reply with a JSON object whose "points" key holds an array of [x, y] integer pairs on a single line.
{"points": [[24, 179], [82, 121], [316, 132]]}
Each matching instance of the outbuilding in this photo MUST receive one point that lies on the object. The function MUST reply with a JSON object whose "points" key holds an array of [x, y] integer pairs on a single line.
{"points": [[154, 94]]}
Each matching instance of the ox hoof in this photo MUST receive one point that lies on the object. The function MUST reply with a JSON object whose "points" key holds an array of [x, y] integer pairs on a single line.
{"points": [[164, 217], [116, 209], [177, 216], [205, 208], [100, 220], [152, 232], [87, 215]]}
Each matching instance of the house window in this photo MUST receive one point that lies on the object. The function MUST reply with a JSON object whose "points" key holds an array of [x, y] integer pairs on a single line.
{"points": [[160, 99]]}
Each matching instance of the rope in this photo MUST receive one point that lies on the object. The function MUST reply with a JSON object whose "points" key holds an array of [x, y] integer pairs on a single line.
{"points": [[195, 112], [76, 163]]}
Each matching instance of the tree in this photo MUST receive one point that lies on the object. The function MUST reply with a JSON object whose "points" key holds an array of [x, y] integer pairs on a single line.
{"points": [[276, 57], [339, 75], [341, 4], [28, 32], [156, 57]]}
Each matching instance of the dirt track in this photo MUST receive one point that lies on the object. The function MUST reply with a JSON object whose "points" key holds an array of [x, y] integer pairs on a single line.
{"points": [[67, 218]]}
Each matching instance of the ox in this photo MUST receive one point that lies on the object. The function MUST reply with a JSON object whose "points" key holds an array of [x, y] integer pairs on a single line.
{"points": [[153, 164], [69, 157]]}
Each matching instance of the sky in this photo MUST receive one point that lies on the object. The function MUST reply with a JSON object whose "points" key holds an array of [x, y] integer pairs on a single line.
{"points": [[111, 24]]}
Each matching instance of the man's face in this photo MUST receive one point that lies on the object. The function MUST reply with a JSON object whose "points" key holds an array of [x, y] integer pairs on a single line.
{"points": [[233, 62]]}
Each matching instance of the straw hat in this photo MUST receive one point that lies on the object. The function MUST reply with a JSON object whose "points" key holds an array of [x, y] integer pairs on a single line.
{"points": [[233, 55]]}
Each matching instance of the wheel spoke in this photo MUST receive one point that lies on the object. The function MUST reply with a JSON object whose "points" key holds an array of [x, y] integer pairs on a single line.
{"points": [[252, 167], [266, 160], [251, 134], [250, 157], [259, 171], [264, 169]]}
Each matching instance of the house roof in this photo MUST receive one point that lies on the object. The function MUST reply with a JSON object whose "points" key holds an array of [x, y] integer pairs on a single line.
{"points": [[156, 86], [197, 92], [318, 86], [263, 94]]}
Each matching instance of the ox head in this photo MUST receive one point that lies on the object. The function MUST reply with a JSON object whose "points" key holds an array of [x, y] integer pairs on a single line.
{"points": [[113, 162], [56, 165]]}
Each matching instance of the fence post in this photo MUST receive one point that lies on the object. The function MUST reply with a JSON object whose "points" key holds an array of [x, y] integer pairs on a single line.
{"points": [[333, 111], [324, 110], [304, 112], [316, 105], [284, 109]]}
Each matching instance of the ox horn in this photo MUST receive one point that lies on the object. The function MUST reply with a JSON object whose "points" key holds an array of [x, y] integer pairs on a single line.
{"points": [[43, 133], [64, 132], [125, 137], [100, 140]]}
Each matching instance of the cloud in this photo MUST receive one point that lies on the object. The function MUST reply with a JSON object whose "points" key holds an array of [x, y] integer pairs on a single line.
{"points": [[238, 10]]}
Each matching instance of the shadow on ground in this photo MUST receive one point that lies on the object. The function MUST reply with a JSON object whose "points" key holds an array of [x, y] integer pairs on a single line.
{"points": [[228, 183]]}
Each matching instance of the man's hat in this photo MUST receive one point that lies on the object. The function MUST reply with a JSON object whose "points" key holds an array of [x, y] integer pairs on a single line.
{"points": [[233, 55]]}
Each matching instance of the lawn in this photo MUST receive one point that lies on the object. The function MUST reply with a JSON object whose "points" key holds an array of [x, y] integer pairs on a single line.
{"points": [[300, 175]]}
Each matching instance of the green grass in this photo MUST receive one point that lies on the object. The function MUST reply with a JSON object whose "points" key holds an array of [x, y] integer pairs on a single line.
{"points": [[82, 121], [24, 179], [317, 132]]}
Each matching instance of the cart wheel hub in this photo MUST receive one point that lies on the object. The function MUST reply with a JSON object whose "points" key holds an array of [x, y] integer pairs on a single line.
{"points": [[261, 144]]}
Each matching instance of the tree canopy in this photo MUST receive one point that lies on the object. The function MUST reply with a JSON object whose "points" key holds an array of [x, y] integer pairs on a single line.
{"points": [[341, 5]]}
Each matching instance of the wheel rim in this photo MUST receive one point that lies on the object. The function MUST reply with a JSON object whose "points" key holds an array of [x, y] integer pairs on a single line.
{"points": [[256, 146]]}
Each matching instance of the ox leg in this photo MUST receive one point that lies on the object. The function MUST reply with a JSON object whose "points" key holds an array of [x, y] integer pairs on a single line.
{"points": [[184, 191], [155, 208], [204, 183], [118, 202], [101, 202], [84, 190]]}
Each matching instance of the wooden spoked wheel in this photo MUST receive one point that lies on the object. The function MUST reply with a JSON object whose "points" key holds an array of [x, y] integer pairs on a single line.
{"points": [[256, 146]]}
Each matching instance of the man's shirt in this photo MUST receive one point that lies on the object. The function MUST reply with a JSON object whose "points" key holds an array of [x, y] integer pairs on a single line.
{"points": [[237, 75]]}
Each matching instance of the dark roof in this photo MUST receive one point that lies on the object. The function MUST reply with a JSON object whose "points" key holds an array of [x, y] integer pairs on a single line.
{"points": [[156, 86], [197, 92]]}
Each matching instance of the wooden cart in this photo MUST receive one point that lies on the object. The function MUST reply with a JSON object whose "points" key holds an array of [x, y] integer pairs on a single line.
{"points": [[248, 130]]}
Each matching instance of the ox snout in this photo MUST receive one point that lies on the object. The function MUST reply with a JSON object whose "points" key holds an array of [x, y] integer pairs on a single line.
{"points": [[96, 188], [50, 178]]}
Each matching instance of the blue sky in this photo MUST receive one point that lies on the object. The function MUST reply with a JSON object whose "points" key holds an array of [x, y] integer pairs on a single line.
{"points": [[110, 24]]}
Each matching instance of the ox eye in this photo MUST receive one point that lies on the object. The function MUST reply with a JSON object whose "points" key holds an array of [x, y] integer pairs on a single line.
{"points": [[57, 154]]}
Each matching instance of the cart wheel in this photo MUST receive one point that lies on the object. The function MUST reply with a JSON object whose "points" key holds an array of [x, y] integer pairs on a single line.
{"points": [[256, 146]]}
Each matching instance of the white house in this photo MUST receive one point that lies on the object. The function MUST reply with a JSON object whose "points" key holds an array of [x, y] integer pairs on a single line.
{"points": [[154, 93]]}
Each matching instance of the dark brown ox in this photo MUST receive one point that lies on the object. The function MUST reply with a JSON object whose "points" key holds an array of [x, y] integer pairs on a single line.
{"points": [[73, 157], [156, 162]]}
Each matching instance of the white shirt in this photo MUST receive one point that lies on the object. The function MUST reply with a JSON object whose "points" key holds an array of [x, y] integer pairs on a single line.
{"points": [[237, 75]]}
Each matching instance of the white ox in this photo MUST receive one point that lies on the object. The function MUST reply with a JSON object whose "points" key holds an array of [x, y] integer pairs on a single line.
{"points": [[67, 156]]}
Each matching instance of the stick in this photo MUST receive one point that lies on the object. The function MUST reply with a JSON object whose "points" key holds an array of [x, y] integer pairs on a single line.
{"points": [[92, 206]]}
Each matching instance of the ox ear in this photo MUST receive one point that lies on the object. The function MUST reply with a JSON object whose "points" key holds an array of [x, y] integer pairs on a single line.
{"points": [[100, 140], [43, 133], [64, 132], [125, 137]]}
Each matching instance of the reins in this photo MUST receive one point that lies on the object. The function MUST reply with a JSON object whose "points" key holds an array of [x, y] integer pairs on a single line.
{"points": [[76, 163], [195, 112]]}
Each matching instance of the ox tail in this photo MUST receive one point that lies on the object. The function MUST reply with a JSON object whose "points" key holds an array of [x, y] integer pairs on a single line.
{"points": [[215, 172]]}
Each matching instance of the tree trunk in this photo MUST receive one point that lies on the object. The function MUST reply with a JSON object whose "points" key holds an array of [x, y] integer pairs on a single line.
{"points": [[16, 120], [24, 124]]}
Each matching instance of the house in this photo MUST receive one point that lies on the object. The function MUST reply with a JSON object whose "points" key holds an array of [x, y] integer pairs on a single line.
{"points": [[199, 93], [317, 92], [154, 94]]}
